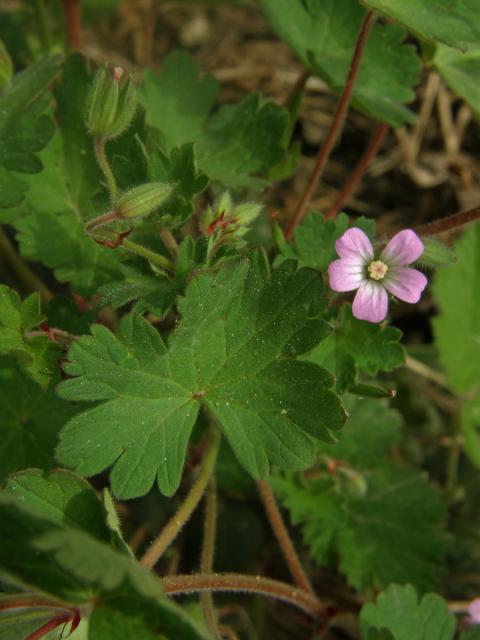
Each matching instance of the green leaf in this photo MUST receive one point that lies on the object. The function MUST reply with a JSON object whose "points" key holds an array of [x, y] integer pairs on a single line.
{"points": [[77, 568], [177, 100], [470, 423], [108, 624], [370, 431], [180, 168], [63, 497], [35, 354], [152, 291], [50, 223], [323, 34], [225, 354], [315, 238], [471, 634], [241, 140], [356, 345], [230, 146], [24, 127], [385, 525], [398, 610], [460, 71], [456, 23], [30, 420], [457, 290]]}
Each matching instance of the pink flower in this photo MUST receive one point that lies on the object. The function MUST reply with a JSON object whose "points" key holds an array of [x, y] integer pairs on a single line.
{"points": [[358, 268], [474, 612]]}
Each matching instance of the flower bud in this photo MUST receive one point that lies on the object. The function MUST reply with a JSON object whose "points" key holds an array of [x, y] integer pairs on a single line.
{"points": [[229, 221], [143, 200], [6, 66], [111, 104]]}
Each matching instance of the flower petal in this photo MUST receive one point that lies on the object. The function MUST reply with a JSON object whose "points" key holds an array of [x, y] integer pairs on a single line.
{"points": [[474, 611], [406, 284], [346, 274], [404, 248], [354, 242], [370, 302]]}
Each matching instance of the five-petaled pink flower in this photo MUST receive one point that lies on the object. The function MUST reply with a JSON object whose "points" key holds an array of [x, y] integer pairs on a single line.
{"points": [[358, 268], [474, 612]]}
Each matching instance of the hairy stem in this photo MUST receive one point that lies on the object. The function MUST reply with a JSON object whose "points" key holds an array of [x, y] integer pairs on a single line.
{"points": [[283, 538], [105, 167], [450, 222], [208, 552], [335, 128], [27, 277], [359, 171], [169, 241], [73, 20], [100, 221], [194, 583], [154, 257], [49, 626], [175, 524]]}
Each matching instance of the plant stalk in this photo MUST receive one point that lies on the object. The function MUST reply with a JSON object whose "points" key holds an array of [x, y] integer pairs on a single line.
{"points": [[208, 552], [283, 537], [360, 169], [27, 277], [335, 128], [73, 20], [154, 257], [450, 222], [175, 524], [194, 583], [99, 146]]}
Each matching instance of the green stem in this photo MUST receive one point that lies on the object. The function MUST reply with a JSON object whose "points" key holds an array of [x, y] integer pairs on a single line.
{"points": [[105, 167], [43, 27], [208, 552], [453, 460], [283, 538], [154, 257], [169, 241], [30, 281], [175, 524], [194, 583]]}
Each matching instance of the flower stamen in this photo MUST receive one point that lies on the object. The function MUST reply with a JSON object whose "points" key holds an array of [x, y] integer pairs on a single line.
{"points": [[377, 269]]}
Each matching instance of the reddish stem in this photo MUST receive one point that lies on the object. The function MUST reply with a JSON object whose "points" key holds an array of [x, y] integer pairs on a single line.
{"points": [[335, 128], [450, 222], [73, 20], [359, 171], [32, 602], [49, 626], [176, 585], [283, 538]]}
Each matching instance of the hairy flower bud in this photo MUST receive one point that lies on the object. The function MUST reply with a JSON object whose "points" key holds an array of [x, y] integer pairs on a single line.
{"points": [[232, 222], [111, 103], [143, 200]]}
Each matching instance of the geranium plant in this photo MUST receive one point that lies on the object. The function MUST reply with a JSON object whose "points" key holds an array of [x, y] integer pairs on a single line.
{"points": [[205, 392]]}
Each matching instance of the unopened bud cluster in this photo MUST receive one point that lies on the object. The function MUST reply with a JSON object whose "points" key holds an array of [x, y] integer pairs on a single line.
{"points": [[111, 104], [229, 221]]}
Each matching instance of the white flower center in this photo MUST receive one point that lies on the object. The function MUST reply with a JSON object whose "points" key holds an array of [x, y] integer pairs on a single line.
{"points": [[377, 269]]}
